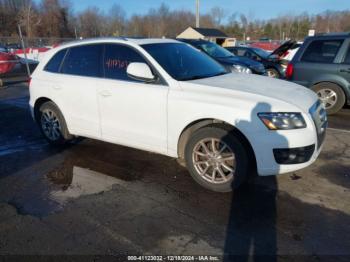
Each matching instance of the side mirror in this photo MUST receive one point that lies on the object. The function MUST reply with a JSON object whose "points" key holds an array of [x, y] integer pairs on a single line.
{"points": [[141, 72]]}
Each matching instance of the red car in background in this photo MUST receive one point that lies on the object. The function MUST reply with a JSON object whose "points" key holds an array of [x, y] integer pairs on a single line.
{"points": [[13, 68]]}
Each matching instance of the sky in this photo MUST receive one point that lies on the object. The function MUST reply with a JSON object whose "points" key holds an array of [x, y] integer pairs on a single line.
{"points": [[259, 9]]}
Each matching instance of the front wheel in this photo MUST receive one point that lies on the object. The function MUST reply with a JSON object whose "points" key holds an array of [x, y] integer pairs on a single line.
{"points": [[273, 73], [217, 159]]}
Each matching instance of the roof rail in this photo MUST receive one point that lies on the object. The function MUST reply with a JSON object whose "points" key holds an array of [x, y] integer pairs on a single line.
{"points": [[93, 38], [333, 34]]}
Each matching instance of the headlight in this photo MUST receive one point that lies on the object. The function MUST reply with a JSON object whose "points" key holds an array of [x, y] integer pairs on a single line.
{"points": [[241, 69], [282, 121]]}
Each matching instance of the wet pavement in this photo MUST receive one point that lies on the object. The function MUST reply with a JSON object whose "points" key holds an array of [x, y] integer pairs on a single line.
{"points": [[95, 198]]}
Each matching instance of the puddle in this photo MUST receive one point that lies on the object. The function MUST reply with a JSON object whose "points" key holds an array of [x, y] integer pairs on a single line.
{"points": [[82, 183], [21, 146], [40, 197]]}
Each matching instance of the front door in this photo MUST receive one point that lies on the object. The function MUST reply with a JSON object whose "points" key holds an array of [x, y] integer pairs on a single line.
{"points": [[133, 113]]}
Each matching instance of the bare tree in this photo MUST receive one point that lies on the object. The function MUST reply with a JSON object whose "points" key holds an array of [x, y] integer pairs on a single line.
{"points": [[117, 20], [218, 14], [29, 18], [92, 23]]}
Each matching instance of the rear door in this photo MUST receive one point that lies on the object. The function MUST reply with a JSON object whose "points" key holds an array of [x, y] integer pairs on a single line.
{"points": [[74, 89], [318, 60]]}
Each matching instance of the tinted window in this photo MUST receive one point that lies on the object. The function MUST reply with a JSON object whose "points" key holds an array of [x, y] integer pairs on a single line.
{"points": [[241, 52], [248, 54], [184, 62], [83, 61], [215, 50], [54, 64], [322, 51], [116, 60], [261, 52], [347, 58]]}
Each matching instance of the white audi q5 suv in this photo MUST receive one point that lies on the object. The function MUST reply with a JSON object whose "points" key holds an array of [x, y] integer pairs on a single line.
{"points": [[166, 97]]}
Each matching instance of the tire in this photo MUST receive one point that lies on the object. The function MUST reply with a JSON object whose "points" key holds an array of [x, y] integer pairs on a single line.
{"points": [[222, 137], [273, 73], [336, 97], [50, 118]]}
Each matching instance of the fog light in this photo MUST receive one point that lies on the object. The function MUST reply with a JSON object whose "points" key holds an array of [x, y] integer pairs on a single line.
{"points": [[290, 156]]}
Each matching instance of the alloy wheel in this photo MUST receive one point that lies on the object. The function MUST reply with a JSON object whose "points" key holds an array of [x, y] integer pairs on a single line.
{"points": [[214, 161], [272, 74], [50, 125], [328, 97]]}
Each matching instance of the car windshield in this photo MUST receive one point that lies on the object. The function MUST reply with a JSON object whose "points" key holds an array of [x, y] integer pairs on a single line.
{"points": [[215, 50], [183, 62], [261, 52]]}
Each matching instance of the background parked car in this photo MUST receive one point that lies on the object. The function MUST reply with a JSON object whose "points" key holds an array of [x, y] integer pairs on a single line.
{"points": [[3, 48], [289, 54], [274, 67], [323, 64], [226, 58], [13, 68]]}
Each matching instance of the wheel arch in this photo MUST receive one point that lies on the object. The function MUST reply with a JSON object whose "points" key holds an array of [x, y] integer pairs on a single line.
{"points": [[38, 103], [198, 124], [42, 100]]}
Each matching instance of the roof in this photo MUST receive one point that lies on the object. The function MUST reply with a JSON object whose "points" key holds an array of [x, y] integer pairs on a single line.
{"points": [[137, 41], [210, 32]]}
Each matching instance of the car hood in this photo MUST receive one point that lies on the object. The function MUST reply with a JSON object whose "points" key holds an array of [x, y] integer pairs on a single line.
{"points": [[285, 91]]}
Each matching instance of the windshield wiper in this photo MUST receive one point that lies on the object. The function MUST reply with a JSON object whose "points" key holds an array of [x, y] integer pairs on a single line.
{"points": [[196, 77]]}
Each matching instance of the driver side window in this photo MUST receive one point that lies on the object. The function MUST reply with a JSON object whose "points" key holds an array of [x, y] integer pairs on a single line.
{"points": [[116, 60]]}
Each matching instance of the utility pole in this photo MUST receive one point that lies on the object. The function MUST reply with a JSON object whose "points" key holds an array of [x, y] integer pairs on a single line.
{"points": [[24, 49], [197, 13]]}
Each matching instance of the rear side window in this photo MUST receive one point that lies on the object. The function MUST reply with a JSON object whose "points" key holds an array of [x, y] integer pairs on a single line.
{"points": [[116, 60], [55, 63], [322, 51], [83, 61], [241, 52]]}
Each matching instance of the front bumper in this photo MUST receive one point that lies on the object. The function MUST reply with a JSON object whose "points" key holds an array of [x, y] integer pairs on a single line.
{"points": [[292, 156], [296, 149]]}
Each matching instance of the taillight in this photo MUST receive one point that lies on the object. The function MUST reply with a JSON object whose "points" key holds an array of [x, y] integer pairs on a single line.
{"points": [[289, 71], [29, 81]]}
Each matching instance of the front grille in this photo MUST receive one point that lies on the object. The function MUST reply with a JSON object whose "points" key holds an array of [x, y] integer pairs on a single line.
{"points": [[319, 116]]}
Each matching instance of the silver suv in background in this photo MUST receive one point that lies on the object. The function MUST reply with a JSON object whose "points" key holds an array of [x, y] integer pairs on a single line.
{"points": [[323, 64]]}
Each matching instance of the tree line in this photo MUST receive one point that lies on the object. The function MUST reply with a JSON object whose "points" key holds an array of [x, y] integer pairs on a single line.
{"points": [[55, 18]]}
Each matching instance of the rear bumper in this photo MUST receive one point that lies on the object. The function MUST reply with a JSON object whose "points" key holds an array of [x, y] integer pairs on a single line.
{"points": [[17, 74]]}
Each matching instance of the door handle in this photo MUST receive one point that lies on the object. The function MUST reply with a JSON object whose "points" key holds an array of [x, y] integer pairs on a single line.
{"points": [[105, 93], [345, 70]]}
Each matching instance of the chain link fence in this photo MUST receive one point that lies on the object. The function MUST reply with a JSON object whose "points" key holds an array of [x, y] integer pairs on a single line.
{"points": [[34, 42]]}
